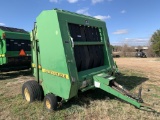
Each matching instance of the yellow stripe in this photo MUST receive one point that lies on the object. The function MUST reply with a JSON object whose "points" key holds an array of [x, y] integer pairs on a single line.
{"points": [[40, 67], [55, 73], [51, 72], [34, 66], [2, 55]]}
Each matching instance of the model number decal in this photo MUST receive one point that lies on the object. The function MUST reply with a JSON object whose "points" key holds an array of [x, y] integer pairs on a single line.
{"points": [[55, 73]]}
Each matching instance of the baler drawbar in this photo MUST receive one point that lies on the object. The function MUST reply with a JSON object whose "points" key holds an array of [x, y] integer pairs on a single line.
{"points": [[108, 84]]}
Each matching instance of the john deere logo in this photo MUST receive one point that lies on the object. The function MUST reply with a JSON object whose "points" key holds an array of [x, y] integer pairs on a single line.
{"points": [[86, 22]]}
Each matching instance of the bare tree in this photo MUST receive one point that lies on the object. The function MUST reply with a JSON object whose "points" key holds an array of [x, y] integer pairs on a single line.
{"points": [[124, 50]]}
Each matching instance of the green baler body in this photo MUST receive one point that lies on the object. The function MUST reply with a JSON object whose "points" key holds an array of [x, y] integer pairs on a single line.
{"points": [[15, 39], [59, 72]]}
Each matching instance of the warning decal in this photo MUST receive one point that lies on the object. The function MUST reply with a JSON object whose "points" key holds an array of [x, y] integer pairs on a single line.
{"points": [[22, 52]]}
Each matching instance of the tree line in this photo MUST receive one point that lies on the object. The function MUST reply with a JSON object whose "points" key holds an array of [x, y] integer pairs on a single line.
{"points": [[155, 42], [129, 51]]}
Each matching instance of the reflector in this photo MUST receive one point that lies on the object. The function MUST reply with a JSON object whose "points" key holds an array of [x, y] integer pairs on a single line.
{"points": [[22, 53]]}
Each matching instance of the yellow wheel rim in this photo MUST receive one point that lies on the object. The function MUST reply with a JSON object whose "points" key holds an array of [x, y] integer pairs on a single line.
{"points": [[48, 104], [27, 95]]}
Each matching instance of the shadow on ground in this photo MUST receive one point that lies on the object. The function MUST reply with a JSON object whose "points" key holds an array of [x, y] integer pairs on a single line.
{"points": [[15, 74], [130, 82], [83, 99]]}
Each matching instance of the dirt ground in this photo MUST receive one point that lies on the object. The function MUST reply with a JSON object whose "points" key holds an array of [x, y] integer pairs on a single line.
{"points": [[94, 104], [148, 66]]}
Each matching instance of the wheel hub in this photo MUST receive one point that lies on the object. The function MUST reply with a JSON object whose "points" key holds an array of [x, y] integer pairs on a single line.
{"points": [[48, 104], [27, 95]]}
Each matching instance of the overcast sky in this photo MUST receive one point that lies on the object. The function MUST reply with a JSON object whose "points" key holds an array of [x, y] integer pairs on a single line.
{"points": [[128, 21]]}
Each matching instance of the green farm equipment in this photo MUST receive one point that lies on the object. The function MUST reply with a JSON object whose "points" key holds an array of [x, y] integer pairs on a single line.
{"points": [[71, 53], [15, 49]]}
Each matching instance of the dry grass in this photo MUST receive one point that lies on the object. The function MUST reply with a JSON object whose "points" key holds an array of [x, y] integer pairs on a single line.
{"points": [[94, 104]]}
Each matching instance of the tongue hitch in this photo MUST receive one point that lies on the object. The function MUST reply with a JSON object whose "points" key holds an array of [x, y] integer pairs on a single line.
{"points": [[124, 91], [108, 84]]}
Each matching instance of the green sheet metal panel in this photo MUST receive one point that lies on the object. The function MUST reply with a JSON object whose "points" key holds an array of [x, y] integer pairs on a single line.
{"points": [[14, 35], [52, 56]]}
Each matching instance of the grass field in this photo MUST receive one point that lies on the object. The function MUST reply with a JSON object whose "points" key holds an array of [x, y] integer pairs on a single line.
{"points": [[91, 105]]}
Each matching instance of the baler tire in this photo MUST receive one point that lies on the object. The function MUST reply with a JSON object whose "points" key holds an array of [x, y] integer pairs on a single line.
{"points": [[32, 91], [50, 102], [28, 92], [38, 90]]}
